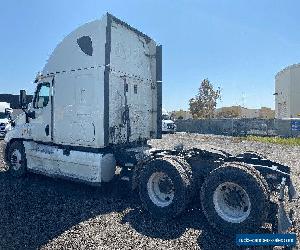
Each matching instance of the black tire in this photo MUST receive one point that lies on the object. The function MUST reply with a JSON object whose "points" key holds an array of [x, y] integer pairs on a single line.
{"points": [[260, 177], [251, 154], [14, 169], [182, 184], [188, 170], [245, 177]]}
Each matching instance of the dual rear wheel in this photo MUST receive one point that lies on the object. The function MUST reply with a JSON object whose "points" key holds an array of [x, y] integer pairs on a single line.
{"points": [[234, 197], [165, 187]]}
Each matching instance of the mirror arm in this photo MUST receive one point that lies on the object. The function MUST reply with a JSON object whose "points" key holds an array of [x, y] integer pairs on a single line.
{"points": [[29, 114]]}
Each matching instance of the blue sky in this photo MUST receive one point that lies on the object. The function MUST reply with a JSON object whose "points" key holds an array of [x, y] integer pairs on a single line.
{"points": [[238, 45]]}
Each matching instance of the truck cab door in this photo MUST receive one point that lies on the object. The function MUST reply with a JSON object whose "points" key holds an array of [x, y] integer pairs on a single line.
{"points": [[41, 122]]}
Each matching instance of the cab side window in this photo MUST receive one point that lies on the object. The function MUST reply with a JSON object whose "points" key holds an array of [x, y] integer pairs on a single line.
{"points": [[41, 98]]}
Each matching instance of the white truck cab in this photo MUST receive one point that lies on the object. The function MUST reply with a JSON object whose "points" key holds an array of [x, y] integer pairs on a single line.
{"points": [[5, 118], [99, 90], [168, 126]]}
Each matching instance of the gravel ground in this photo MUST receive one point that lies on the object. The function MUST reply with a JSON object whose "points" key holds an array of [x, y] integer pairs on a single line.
{"points": [[39, 212]]}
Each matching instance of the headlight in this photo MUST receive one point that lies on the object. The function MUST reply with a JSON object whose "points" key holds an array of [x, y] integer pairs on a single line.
{"points": [[7, 126]]}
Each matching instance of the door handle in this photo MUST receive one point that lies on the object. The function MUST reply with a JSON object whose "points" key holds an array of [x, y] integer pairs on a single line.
{"points": [[47, 130]]}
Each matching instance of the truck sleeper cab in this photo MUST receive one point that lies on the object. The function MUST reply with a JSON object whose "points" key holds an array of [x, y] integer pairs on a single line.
{"points": [[100, 89]]}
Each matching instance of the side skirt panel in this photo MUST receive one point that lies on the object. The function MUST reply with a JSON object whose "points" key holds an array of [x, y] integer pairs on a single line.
{"points": [[92, 168]]}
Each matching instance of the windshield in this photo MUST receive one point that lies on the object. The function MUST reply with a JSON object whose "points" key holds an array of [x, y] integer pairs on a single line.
{"points": [[165, 117], [3, 115]]}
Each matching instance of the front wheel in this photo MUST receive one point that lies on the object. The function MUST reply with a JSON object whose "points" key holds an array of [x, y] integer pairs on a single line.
{"points": [[17, 159], [234, 199]]}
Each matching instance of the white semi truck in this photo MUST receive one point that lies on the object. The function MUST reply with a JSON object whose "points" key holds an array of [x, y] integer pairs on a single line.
{"points": [[97, 102], [168, 126], [5, 118]]}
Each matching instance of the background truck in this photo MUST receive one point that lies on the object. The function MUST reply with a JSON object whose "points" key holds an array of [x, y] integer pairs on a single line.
{"points": [[168, 126], [97, 102], [5, 118]]}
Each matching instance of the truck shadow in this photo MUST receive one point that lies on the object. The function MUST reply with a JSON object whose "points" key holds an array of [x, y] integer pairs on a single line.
{"points": [[36, 209], [193, 219]]}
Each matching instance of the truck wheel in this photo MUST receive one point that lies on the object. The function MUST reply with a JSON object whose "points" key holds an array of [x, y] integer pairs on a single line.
{"points": [[234, 199], [188, 170], [165, 188], [17, 159], [251, 154], [258, 175]]}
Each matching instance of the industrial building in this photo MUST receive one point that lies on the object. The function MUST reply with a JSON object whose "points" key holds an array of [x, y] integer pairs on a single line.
{"points": [[287, 92]]}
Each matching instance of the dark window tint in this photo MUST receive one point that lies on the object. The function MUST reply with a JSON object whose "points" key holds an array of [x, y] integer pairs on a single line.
{"points": [[42, 95], [86, 45]]}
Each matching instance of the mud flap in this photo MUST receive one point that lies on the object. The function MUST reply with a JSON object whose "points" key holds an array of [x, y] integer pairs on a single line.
{"points": [[293, 195], [284, 221]]}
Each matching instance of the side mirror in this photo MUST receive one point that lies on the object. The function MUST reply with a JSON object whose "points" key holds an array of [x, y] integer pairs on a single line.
{"points": [[23, 99], [8, 111]]}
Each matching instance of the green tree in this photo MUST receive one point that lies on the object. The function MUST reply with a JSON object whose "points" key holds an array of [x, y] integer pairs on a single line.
{"points": [[203, 105], [180, 114]]}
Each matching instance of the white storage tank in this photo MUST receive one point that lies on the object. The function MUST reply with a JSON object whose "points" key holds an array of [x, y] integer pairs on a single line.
{"points": [[287, 92]]}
